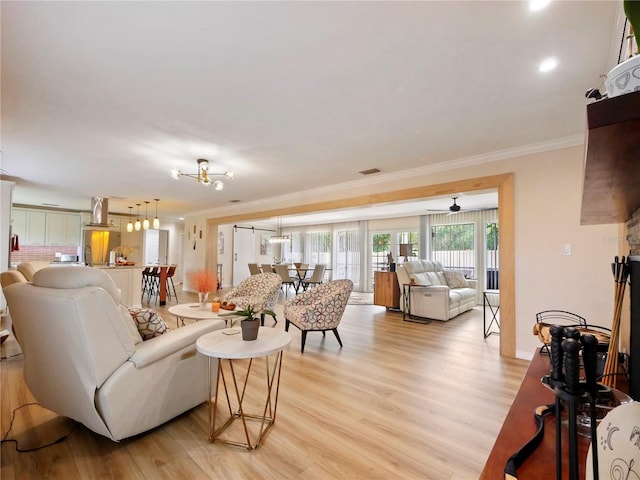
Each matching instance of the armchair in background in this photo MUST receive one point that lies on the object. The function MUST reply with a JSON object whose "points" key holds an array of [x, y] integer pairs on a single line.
{"points": [[260, 291], [319, 309]]}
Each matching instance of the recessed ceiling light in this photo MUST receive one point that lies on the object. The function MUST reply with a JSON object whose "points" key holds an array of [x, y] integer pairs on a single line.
{"points": [[535, 5], [548, 64]]}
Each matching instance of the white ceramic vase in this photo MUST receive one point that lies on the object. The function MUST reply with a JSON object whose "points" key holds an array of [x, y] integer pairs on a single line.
{"points": [[624, 78]]}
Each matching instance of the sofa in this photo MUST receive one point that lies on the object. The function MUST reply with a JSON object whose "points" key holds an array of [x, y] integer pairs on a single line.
{"points": [[85, 357], [29, 269], [441, 295]]}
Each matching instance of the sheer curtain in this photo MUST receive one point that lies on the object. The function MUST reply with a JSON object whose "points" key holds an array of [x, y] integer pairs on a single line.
{"points": [[337, 246], [347, 253]]}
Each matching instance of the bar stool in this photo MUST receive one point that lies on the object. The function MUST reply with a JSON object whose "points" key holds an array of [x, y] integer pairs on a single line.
{"points": [[153, 283], [170, 286], [144, 282]]}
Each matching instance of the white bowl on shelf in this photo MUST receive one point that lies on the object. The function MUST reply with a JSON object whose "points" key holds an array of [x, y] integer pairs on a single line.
{"points": [[624, 78]]}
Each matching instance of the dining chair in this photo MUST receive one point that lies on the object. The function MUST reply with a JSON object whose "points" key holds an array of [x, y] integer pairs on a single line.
{"points": [[316, 278], [288, 280], [254, 269], [267, 268], [301, 270]]}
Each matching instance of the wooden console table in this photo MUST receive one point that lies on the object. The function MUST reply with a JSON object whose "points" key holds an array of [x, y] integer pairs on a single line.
{"points": [[386, 291], [519, 426]]}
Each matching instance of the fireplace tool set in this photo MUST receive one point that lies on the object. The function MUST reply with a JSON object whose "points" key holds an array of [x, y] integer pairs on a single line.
{"points": [[577, 395], [620, 272], [581, 400], [566, 345]]}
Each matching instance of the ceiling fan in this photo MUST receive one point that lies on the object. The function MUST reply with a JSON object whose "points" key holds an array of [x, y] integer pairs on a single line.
{"points": [[455, 208]]}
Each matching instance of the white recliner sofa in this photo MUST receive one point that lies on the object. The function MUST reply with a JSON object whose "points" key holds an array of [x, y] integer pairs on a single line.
{"points": [[442, 294], [85, 359]]}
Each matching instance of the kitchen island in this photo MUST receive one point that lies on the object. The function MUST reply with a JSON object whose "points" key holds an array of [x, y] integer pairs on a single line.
{"points": [[129, 280]]}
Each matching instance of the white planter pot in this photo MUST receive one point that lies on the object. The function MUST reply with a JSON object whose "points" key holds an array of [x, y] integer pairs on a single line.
{"points": [[624, 78]]}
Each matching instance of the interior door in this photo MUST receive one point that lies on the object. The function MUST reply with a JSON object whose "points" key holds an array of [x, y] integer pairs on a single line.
{"points": [[244, 252]]}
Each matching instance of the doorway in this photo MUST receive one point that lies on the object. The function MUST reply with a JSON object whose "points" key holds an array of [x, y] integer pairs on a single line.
{"points": [[503, 183], [243, 253], [156, 247]]}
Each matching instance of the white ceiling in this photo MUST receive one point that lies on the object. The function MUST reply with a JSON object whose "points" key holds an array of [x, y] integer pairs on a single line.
{"points": [[105, 98]]}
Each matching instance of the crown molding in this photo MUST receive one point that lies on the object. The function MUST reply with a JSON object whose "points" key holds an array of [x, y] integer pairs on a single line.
{"points": [[464, 162]]}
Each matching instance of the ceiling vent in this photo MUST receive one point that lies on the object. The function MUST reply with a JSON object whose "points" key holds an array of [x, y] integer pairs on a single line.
{"points": [[370, 171]]}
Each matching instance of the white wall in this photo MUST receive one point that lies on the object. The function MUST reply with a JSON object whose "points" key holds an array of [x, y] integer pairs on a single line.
{"points": [[194, 247], [6, 194]]}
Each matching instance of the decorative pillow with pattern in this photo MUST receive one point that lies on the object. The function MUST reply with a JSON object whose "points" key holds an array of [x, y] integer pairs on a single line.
{"points": [[149, 323], [455, 279]]}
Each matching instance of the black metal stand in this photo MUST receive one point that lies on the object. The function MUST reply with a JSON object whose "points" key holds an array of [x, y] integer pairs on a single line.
{"points": [[406, 312], [491, 300]]}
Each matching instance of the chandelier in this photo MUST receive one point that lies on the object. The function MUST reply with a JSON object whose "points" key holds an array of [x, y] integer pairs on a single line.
{"points": [[279, 238], [204, 175]]}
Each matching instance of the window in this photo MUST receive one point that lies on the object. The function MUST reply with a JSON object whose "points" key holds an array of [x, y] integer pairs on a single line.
{"points": [[491, 259], [318, 248], [407, 246], [347, 254], [454, 247]]}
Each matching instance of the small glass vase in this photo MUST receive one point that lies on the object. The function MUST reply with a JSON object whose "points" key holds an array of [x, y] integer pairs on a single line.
{"points": [[202, 298]]}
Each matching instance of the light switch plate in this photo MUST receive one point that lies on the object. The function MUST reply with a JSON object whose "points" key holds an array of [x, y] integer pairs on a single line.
{"points": [[566, 249]]}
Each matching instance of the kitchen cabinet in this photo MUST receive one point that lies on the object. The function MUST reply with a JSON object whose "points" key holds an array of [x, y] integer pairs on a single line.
{"points": [[386, 291], [29, 225], [62, 229], [38, 227]]}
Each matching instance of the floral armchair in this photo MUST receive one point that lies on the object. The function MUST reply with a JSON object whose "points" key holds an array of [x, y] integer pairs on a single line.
{"points": [[319, 309], [260, 291]]}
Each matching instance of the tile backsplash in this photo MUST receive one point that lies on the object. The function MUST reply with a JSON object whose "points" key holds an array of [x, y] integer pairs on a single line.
{"points": [[633, 233], [40, 253]]}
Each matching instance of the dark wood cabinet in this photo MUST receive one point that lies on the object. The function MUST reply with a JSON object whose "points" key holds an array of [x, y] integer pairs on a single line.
{"points": [[386, 291], [610, 191]]}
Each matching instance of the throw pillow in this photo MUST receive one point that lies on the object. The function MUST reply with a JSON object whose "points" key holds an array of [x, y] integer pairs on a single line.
{"points": [[455, 279], [132, 325], [149, 323]]}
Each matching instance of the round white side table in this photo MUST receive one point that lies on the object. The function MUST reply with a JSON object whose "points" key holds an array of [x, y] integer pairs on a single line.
{"points": [[227, 347]]}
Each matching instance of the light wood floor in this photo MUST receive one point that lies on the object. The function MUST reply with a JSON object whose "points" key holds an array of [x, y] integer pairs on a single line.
{"points": [[400, 400]]}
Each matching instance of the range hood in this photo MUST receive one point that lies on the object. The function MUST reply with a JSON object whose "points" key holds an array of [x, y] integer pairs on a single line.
{"points": [[99, 213]]}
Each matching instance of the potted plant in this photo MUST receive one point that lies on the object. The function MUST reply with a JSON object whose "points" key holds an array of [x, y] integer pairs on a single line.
{"points": [[251, 323], [625, 77], [203, 281]]}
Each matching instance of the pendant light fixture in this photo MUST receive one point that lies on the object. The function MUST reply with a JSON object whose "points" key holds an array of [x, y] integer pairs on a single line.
{"points": [[279, 238], [145, 223], [130, 224], [138, 225], [156, 221]]}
